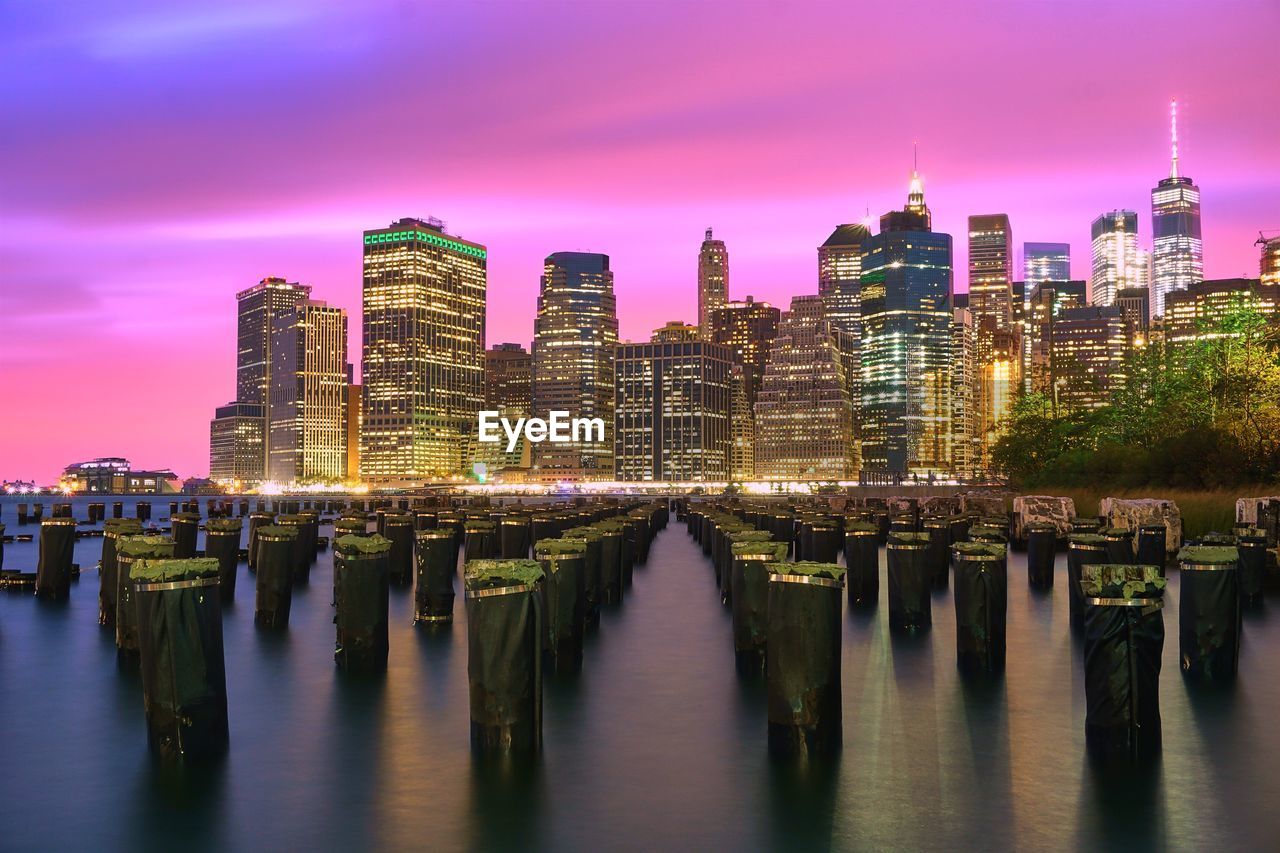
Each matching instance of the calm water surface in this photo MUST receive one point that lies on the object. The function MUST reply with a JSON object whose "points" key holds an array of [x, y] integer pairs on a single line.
{"points": [[658, 745]]}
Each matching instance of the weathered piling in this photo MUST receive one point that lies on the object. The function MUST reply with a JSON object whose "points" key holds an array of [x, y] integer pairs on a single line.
{"points": [[803, 659], [981, 601], [1123, 642], [109, 570], [1209, 612], [513, 537], [1083, 549], [222, 543], [1251, 542], [1042, 545], [504, 655], [1151, 547], [436, 557], [563, 564], [399, 529], [1119, 543], [909, 606], [257, 520], [185, 529], [275, 560], [480, 540], [57, 546], [937, 557], [750, 599], [360, 567], [593, 578], [862, 559], [130, 549], [184, 683]]}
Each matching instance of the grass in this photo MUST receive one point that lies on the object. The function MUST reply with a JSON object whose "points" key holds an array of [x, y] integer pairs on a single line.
{"points": [[1202, 511]]}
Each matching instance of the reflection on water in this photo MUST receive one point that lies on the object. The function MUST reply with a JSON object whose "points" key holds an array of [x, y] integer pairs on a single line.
{"points": [[659, 743]]}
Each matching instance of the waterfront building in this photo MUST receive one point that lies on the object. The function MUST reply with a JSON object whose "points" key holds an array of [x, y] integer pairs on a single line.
{"points": [[671, 422], [906, 345], [257, 309], [840, 277], [352, 415], [237, 438], [803, 414], [306, 411], [1118, 263], [1045, 262], [1269, 263], [991, 269], [997, 376], [1047, 301], [1191, 314], [1087, 355], [114, 475], [742, 425], [964, 395], [1177, 257], [423, 371], [713, 279], [508, 379], [574, 343], [747, 328], [1135, 305]]}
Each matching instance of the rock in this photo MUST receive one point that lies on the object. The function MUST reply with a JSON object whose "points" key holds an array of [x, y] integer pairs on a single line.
{"points": [[899, 505], [940, 505], [1260, 512], [1131, 514], [987, 503], [1028, 509]]}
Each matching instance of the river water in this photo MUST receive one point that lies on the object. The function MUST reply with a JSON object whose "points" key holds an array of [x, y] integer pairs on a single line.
{"points": [[657, 745]]}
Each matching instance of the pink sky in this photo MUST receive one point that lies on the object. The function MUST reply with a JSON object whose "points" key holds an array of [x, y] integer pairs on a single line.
{"points": [[156, 160]]}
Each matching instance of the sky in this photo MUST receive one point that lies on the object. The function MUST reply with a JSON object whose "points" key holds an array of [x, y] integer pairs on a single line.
{"points": [[155, 158]]}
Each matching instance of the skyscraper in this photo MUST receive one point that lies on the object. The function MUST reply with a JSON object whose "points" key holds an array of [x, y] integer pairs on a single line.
{"points": [[964, 394], [1045, 262], [236, 444], [713, 279], [1269, 263], [1088, 355], [991, 269], [575, 335], [1117, 261], [1193, 313], [840, 274], [354, 415], [747, 328], [508, 379], [423, 374], [306, 410], [1048, 300], [906, 344], [1177, 251], [257, 309], [1135, 307], [673, 406], [804, 418]]}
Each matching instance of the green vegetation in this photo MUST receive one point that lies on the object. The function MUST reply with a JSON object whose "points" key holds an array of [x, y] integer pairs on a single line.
{"points": [[1194, 416]]}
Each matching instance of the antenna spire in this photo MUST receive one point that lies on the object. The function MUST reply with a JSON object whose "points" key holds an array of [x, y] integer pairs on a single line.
{"points": [[1173, 126]]}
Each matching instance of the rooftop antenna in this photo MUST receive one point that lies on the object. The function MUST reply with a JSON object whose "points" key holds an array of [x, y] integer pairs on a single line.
{"points": [[1173, 124]]}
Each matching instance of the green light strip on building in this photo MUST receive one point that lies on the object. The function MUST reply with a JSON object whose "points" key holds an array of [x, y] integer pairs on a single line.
{"points": [[424, 237]]}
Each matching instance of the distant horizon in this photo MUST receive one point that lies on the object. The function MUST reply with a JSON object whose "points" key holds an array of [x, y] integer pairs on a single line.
{"points": [[160, 159]]}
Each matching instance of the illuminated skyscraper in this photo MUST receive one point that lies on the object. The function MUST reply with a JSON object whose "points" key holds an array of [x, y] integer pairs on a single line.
{"points": [[306, 412], [1088, 355], [1192, 314], [673, 406], [236, 444], [991, 269], [354, 414], [1135, 306], [1048, 300], [424, 323], [1269, 263], [1178, 253], [257, 309], [747, 328], [1117, 261], [1045, 262], [840, 276], [804, 418], [906, 344], [742, 428], [713, 280], [574, 339], [508, 380], [964, 394]]}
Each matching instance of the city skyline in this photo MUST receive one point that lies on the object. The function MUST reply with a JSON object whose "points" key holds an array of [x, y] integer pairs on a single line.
{"points": [[253, 209]]}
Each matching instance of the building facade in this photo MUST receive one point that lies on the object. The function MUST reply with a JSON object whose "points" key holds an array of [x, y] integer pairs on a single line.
{"points": [[1047, 301], [423, 370], [671, 423], [991, 269], [237, 444], [1118, 263], [713, 279], [307, 407], [1191, 314], [1135, 306], [840, 276], [803, 414], [574, 342], [1045, 262], [1269, 262], [257, 309], [1177, 257], [906, 348], [508, 379], [1088, 350]]}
